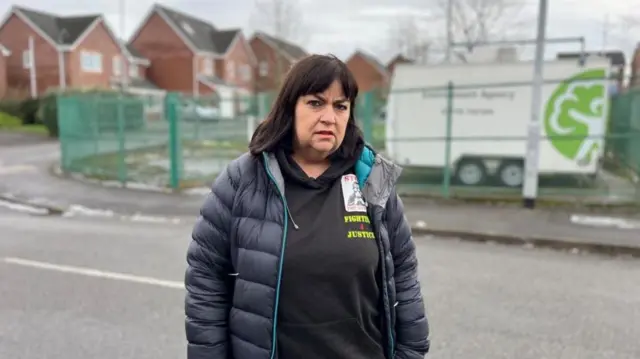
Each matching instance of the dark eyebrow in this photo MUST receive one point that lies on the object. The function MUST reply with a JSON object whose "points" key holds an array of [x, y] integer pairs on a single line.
{"points": [[321, 98]]}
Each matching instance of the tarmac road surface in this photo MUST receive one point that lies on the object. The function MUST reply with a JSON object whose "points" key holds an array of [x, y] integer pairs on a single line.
{"points": [[78, 288]]}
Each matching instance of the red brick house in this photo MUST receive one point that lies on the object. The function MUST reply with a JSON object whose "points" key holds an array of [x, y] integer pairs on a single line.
{"points": [[370, 74], [68, 51], [398, 59], [136, 74], [190, 55], [275, 57]]}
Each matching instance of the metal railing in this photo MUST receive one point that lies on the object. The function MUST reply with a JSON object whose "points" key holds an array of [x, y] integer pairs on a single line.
{"points": [[453, 141]]}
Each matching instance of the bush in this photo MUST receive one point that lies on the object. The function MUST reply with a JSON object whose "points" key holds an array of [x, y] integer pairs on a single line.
{"points": [[11, 107], [28, 111], [48, 114]]}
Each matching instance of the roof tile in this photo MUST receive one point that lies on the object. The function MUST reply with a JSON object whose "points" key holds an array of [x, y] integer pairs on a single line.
{"points": [[202, 34], [63, 30]]}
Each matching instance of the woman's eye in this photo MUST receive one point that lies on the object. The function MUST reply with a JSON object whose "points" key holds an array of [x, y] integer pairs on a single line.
{"points": [[314, 103], [342, 107]]}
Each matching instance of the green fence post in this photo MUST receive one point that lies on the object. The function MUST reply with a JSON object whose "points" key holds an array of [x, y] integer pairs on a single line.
{"points": [[63, 113], [175, 151], [94, 122], [196, 128], [446, 180], [122, 149], [367, 116]]}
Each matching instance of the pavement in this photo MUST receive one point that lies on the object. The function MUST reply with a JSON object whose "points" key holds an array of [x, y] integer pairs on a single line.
{"points": [[85, 287], [26, 177]]}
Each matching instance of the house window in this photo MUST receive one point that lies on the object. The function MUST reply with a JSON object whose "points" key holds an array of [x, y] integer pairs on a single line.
{"points": [[231, 70], [187, 28], [26, 59], [264, 68], [133, 71], [116, 65], [208, 67], [245, 73], [91, 61]]}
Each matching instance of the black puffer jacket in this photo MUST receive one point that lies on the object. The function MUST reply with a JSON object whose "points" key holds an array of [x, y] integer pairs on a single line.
{"points": [[234, 262]]}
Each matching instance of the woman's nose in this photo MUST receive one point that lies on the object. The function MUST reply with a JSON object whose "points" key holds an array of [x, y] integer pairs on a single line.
{"points": [[328, 116]]}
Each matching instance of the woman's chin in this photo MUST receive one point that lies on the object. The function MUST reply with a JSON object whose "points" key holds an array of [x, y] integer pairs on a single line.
{"points": [[323, 147]]}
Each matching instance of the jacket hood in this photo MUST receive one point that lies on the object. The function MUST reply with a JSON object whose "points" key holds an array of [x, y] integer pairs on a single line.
{"points": [[376, 175]]}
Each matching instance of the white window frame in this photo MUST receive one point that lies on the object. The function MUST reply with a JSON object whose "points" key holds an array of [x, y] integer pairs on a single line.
{"points": [[116, 65], [207, 66], [245, 72], [263, 68], [26, 59], [231, 70], [133, 71], [91, 61]]}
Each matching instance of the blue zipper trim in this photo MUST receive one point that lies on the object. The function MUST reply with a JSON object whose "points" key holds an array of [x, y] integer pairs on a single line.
{"points": [[284, 243]]}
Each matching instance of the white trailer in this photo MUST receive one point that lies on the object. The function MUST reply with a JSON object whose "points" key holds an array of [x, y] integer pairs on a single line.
{"points": [[491, 109]]}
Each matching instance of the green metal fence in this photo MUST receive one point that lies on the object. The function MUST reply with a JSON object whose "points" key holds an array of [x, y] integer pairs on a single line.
{"points": [[453, 141], [102, 135], [175, 141]]}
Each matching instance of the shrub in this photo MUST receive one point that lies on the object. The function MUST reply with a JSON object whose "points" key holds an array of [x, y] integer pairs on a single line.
{"points": [[48, 114], [11, 107], [28, 111]]}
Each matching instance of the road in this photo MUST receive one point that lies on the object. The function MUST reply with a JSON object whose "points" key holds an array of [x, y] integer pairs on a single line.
{"points": [[76, 288]]}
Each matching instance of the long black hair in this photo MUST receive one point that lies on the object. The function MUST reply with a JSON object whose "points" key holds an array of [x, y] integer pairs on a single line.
{"points": [[311, 75]]}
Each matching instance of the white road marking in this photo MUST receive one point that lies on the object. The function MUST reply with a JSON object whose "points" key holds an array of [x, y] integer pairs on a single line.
{"points": [[23, 208], [17, 169], [601, 221], [94, 273]]}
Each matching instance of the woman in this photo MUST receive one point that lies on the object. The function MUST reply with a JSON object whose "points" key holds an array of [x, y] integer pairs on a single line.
{"points": [[302, 250]]}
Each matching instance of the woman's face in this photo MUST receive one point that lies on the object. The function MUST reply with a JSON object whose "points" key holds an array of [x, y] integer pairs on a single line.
{"points": [[321, 120]]}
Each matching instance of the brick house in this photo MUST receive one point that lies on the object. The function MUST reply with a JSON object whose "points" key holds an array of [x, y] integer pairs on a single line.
{"points": [[68, 51], [136, 74], [370, 74], [398, 59], [192, 56], [275, 57]]}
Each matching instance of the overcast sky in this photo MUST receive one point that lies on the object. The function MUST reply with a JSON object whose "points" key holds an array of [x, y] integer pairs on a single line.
{"points": [[340, 26]]}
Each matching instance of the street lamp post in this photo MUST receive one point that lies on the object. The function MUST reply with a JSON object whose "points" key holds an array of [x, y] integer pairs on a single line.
{"points": [[530, 187]]}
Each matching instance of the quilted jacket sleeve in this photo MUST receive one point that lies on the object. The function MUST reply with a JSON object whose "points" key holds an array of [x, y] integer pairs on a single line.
{"points": [[208, 298], [412, 329]]}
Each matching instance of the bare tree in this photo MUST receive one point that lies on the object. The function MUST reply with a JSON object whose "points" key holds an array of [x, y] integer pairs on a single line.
{"points": [[474, 21], [279, 18], [408, 38], [282, 19]]}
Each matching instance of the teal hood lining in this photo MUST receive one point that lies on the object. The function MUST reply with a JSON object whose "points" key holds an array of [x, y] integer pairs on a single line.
{"points": [[364, 165]]}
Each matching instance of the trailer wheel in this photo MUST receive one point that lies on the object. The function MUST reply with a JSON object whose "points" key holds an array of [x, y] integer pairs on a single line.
{"points": [[471, 172], [511, 173]]}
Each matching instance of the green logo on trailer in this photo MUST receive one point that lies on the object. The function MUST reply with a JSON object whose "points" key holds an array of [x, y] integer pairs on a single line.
{"points": [[575, 115]]}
